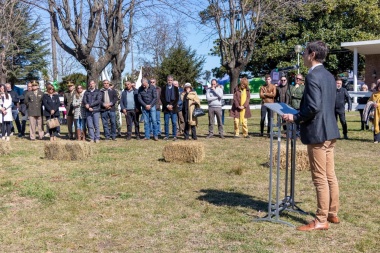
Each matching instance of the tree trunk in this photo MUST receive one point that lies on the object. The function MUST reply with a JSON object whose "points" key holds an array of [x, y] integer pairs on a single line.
{"points": [[234, 79], [118, 66]]}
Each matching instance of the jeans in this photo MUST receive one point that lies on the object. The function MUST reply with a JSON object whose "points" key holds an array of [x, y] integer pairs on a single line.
{"points": [[173, 117], [106, 117], [149, 118], [17, 121], [81, 124], [158, 120], [93, 125]]}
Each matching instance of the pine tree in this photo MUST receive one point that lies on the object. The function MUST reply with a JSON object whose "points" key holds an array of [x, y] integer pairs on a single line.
{"points": [[182, 63], [25, 54]]}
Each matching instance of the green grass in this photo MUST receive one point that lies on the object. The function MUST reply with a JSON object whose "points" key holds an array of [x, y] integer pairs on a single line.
{"points": [[126, 199]]}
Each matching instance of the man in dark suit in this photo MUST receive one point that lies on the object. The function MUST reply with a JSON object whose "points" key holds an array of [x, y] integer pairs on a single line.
{"points": [[169, 99], [319, 132], [342, 97]]}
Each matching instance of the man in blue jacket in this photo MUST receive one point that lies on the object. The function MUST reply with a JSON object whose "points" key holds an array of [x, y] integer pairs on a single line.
{"points": [[92, 100], [147, 97], [319, 132]]}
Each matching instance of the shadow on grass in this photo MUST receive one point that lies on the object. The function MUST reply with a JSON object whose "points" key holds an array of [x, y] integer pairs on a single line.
{"points": [[223, 198]]}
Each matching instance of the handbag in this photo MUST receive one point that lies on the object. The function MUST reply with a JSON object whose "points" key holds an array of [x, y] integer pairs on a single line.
{"points": [[52, 123], [198, 112]]}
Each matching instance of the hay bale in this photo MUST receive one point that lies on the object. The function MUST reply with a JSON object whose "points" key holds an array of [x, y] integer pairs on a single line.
{"points": [[189, 151], [67, 150], [302, 159], [5, 148]]}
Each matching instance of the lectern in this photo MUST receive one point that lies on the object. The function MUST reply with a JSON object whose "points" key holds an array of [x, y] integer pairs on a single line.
{"points": [[287, 203]]}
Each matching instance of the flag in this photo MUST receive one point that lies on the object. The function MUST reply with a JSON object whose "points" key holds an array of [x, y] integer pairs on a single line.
{"points": [[138, 82]]}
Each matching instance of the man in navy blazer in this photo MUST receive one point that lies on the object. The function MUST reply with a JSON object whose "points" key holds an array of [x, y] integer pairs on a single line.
{"points": [[319, 131]]}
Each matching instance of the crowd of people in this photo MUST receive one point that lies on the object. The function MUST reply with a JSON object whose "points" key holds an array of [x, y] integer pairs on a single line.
{"points": [[84, 108]]}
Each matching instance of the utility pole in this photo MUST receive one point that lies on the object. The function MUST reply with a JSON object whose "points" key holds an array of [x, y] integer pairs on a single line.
{"points": [[53, 52]]}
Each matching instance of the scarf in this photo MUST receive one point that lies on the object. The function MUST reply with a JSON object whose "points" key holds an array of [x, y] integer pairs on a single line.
{"points": [[376, 98], [243, 98], [169, 94]]}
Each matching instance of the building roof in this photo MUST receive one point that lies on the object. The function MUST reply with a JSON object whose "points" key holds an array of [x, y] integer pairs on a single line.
{"points": [[364, 47]]}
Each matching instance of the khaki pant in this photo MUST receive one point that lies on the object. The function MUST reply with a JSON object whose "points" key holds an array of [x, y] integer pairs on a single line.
{"points": [[70, 122], [33, 120], [321, 158], [244, 126]]}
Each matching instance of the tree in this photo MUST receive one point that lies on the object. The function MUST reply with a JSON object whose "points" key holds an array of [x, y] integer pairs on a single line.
{"points": [[182, 63], [23, 47], [239, 25], [96, 42], [331, 21]]}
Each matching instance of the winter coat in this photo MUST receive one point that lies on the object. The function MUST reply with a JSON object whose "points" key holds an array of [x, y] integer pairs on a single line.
{"points": [[296, 94], [235, 111], [93, 99], [113, 97], [79, 109], [267, 93], [342, 97], [7, 104], [68, 101], [34, 103], [193, 102], [51, 103]]}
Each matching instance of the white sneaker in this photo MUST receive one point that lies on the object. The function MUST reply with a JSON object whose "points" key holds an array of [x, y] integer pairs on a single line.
{"points": [[11, 134], [7, 139], [47, 135]]}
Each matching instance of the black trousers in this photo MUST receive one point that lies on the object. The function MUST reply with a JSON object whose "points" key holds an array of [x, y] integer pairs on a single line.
{"points": [[342, 119], [188, 127], [264, 112], [132, 118]]}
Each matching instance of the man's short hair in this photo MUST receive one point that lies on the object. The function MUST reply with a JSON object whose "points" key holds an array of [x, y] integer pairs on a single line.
{"points": [[319, 48], [339, 79], [266, 76]]}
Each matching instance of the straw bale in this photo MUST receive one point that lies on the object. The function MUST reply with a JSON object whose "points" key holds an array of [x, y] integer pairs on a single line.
{"points": [[5, 148], [189, 151], [302, 159], [67, 150]]}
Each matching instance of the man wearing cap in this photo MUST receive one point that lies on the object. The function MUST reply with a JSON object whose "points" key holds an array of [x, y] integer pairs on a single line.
{"points": [[169, 99], [33, 101], [68, 101], [214, 96], [92, 100]]}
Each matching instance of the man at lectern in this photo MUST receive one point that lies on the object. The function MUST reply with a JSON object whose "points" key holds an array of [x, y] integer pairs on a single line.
{"points": [[319, 132]]}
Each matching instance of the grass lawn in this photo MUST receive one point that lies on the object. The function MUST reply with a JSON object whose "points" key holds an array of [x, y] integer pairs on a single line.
{"points": [[126, 199]]}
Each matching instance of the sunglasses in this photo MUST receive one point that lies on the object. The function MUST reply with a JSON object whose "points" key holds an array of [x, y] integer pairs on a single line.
{"points": [[299, 79], [283, 80]]}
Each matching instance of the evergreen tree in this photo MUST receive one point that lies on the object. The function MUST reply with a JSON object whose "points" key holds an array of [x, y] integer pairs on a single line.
{"points": [[182, 63], [25, 56]]}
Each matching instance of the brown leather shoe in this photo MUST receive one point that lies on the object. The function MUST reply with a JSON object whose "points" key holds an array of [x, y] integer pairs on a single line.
{"points": [[333, 219], [314, 225]]}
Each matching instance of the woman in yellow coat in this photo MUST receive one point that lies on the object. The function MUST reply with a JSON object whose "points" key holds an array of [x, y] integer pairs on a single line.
{"points": [[190, 102], [375, 98], [240, 110]]}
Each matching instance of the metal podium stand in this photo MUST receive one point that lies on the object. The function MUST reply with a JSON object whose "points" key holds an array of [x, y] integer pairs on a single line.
{"points": [[288, 202]]}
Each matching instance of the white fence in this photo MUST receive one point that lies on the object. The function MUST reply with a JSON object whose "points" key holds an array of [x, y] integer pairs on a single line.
{"points": [[353, 94]]}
